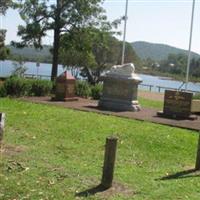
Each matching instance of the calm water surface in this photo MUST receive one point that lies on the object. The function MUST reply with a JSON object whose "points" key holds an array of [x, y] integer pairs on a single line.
{"points": [[6, 68]]}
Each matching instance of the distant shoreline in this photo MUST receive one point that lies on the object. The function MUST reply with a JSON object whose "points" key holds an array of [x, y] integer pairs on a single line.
{"points": [[161, 75]]}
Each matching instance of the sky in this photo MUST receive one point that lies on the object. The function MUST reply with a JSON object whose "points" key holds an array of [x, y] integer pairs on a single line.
{"points": [[156, 21]]}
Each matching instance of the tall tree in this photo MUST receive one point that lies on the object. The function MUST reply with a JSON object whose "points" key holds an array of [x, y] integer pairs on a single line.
{"points": [[175, 64], [4, 5], [95, 54], [41, 16], [4, 52]]}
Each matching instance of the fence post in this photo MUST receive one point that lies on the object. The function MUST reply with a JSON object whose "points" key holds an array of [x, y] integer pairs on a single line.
{"points": [[109, 161], [151, 87], [2, 124], [197, 166]]}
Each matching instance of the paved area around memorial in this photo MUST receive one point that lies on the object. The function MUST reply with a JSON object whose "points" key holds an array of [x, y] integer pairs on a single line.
{"points": [[146, 114]]}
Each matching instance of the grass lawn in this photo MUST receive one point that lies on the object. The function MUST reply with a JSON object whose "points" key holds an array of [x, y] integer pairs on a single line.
{"points": [[150, 104], [52, 153]]}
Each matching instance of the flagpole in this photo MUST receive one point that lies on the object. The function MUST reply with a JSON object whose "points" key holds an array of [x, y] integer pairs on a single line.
{"points": [[190, 44], [124, 38]]}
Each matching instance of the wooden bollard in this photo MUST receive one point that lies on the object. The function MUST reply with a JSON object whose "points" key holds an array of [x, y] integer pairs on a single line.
{"points": [[2, 123], [197, 166], [109, 162]]}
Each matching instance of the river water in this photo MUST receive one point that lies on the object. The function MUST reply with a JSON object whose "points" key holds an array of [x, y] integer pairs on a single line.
{"points": [[6, 68]]}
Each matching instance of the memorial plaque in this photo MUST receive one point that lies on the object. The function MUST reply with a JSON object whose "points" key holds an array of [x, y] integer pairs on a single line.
{"points": [[71, 89], [117, 90], [177, 103], [60, 88]]}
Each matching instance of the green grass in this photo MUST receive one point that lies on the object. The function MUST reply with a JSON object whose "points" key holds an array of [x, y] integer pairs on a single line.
{"points": [[62, 153], [150, 103]]}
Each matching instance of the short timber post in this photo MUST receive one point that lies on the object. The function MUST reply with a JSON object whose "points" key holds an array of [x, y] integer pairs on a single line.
{"points": [[197, 166], [2, 123], [150, 87], [109, 162]]}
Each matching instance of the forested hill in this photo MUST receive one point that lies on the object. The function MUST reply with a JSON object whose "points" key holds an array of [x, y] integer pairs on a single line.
{"points": [[157, 51], [31, 54], [144, 50]]}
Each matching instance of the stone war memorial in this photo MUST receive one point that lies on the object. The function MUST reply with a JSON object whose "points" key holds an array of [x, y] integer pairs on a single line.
{"points": [[65, 88], [177, 105], [120, 88]]}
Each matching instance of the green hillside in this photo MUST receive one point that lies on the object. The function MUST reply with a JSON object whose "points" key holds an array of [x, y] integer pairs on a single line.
{"points": [[31, 54], [143, 50], [157, 51]]}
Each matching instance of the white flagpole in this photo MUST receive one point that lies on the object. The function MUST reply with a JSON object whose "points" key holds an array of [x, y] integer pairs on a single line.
{"points": [[124, 39], [190, 44]]}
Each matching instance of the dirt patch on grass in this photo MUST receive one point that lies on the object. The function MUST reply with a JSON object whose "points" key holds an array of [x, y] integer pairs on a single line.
{"points": [[11, 150], [117, 189]]}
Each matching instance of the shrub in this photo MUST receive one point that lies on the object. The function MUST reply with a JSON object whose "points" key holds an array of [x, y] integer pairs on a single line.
{"points": [[41, 87], [3, 92], [82, 89], [15, 86], [96, 91], [196, 96], [18, 87]]}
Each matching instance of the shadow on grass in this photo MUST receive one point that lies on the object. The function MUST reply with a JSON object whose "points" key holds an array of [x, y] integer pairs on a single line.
{"points": [[91, 191], [183, 174]]}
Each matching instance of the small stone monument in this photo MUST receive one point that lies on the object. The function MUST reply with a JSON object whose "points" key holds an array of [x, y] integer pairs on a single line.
{"points": [[65, 87], [120, 87], [177, 105]]}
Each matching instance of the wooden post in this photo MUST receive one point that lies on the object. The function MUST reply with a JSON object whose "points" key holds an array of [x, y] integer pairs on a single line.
{"points": [[159, 89], [109, 162], [2, 123], [151, 87], [197, 166]]}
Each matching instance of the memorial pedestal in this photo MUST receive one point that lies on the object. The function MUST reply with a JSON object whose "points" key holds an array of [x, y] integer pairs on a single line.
{"points": [[120, 90], [65, 88]]}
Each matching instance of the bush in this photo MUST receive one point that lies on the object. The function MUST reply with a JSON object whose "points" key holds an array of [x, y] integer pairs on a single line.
{"points": [[41, 87], [18, 87], [82, 89], [15, 86], [196, 96], [96, 91], [3, 92]]}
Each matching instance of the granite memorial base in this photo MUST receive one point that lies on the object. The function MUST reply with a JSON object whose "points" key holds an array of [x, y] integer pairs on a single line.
{"points": [[120, 88], [177, 105]]}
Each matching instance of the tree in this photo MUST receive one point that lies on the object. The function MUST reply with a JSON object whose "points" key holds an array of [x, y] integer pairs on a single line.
{"points": [[4, 5], [195, 67], [61, 16], [4, 52], [95, 54], [19, 67], [175, 64]]}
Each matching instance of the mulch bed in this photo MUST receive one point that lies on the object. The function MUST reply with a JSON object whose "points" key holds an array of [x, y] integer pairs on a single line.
{"points": [[146, 114]]}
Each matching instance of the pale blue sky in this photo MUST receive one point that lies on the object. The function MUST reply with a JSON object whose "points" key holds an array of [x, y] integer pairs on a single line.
{"points": [[158, 21]]}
